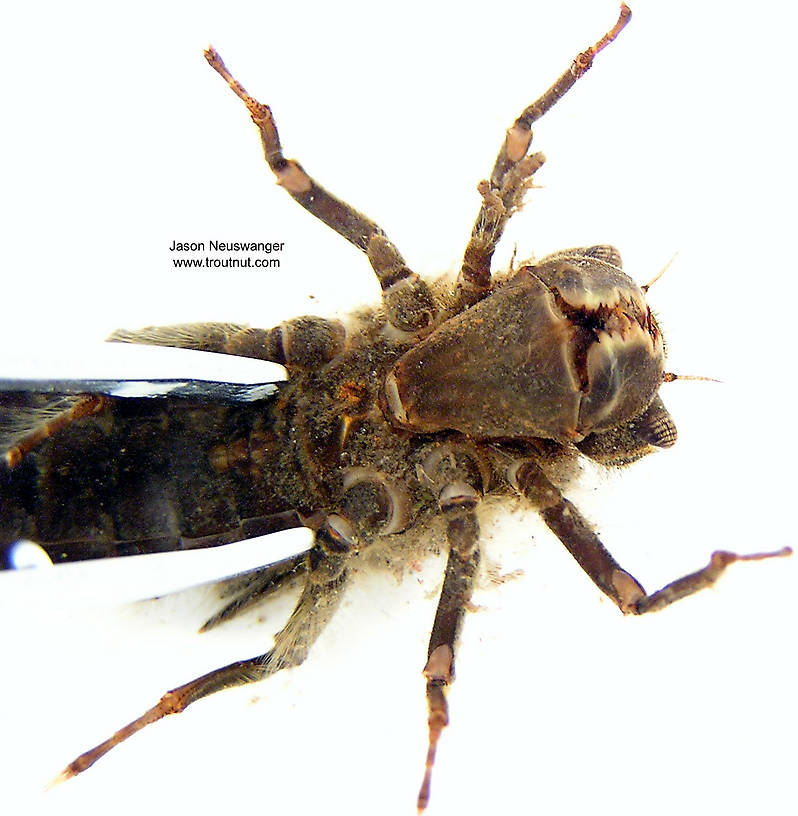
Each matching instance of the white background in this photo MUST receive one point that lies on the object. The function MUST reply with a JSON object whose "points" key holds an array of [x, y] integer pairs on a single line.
{"points": [[120, 139]]}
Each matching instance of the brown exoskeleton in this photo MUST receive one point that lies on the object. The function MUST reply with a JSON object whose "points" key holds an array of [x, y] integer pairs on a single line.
{"points": [[409, 414]]}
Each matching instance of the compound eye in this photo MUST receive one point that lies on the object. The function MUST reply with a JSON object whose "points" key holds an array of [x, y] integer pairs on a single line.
{"points": [[627, 443], [656, 426]]}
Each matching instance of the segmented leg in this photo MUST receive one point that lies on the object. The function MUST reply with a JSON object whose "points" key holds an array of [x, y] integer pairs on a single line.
{"points": [[326, 578], [568, 524], [254, 587], [50, 418], [512, 175], [460, 484], [304, 342], [462, 533], [408, 302]]}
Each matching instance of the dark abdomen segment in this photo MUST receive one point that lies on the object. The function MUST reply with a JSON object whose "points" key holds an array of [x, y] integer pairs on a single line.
{"points": [[148, 475]]}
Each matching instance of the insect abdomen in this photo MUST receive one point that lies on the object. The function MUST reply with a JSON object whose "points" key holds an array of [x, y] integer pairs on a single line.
{"points": [[144, 475]]}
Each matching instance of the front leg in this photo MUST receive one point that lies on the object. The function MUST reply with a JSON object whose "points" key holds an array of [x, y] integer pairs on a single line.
{"points": [[568, 524], [512, 175]]}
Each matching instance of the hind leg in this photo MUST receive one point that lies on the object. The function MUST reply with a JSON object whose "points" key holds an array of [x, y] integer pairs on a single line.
{"points": [[256, 586], [326, 577]]}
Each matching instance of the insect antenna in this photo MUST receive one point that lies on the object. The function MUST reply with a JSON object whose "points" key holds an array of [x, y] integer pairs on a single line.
{"points": [[659, 274], [669, 376]]}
